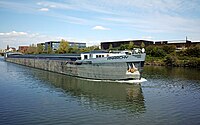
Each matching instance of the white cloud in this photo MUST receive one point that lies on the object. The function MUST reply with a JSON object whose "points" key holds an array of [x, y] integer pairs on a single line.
{"points": [[44, 9], [144, 17], [15, 39], [13, 33], [86, 6], [47, 4], [52, 6], [100, 28], [161, 23]]}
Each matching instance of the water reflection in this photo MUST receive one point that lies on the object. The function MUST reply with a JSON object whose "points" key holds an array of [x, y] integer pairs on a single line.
{"points": [[97, 94], [174, 80], [171, 72], [31, 96]]}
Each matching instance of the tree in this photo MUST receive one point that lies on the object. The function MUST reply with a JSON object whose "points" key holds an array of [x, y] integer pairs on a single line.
{"points": [[88, 49], [171, 60], [123, 46], [49, 49], [110, 47], [96, 48], [169, 48], [155, 51], [39, 49], [63, 47], [193, 51], [142, 45], [31, 49], [131, 46], [74, 49]]}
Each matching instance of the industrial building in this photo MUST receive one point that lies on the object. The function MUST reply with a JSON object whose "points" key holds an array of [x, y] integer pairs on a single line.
{"points": [[23, 49], [55, 45], [105, 45], [180, 44]]}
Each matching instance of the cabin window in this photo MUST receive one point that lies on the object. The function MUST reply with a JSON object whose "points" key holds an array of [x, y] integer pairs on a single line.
{"points": [[102, 55], [97, 56], [85, 56]]}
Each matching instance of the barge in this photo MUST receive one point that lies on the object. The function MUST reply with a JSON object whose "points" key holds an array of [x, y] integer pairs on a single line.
{"points": [[99, 65]]}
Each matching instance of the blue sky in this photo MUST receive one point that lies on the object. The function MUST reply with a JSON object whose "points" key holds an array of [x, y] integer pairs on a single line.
{"points": [[25, 22]]}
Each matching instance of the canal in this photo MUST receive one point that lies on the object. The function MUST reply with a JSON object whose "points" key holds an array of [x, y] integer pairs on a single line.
{"points": [[32, 97]]}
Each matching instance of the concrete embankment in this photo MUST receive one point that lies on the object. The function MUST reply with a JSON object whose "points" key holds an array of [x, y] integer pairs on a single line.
{"points": [[58, 66]]}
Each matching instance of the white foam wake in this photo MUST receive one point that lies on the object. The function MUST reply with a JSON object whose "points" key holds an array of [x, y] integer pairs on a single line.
{"points": [[132, 81], [120, 81]]}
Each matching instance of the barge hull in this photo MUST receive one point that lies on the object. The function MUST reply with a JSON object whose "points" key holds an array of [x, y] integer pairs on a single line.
{"points": [[112, 71]]}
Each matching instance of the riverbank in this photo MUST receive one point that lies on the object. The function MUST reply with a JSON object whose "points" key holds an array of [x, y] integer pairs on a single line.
{"points": [[174, 61]]}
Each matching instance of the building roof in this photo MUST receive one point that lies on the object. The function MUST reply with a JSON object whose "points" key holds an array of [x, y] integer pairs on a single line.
{"points": [[67, 41], [128, 41]]}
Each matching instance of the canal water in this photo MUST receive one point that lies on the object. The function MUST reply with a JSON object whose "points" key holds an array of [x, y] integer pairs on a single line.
{"points": [[171, 96]]}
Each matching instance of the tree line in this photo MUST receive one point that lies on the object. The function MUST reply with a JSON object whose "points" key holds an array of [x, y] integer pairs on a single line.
{"points": [[63, 48], [129, 46], [168, 55], [156, 55]]}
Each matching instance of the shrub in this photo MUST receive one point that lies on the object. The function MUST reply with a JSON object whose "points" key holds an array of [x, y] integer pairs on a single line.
{"points": [[171, 60]]}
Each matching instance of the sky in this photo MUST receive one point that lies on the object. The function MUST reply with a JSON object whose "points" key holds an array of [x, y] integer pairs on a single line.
{"points": [[26, 22]]}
